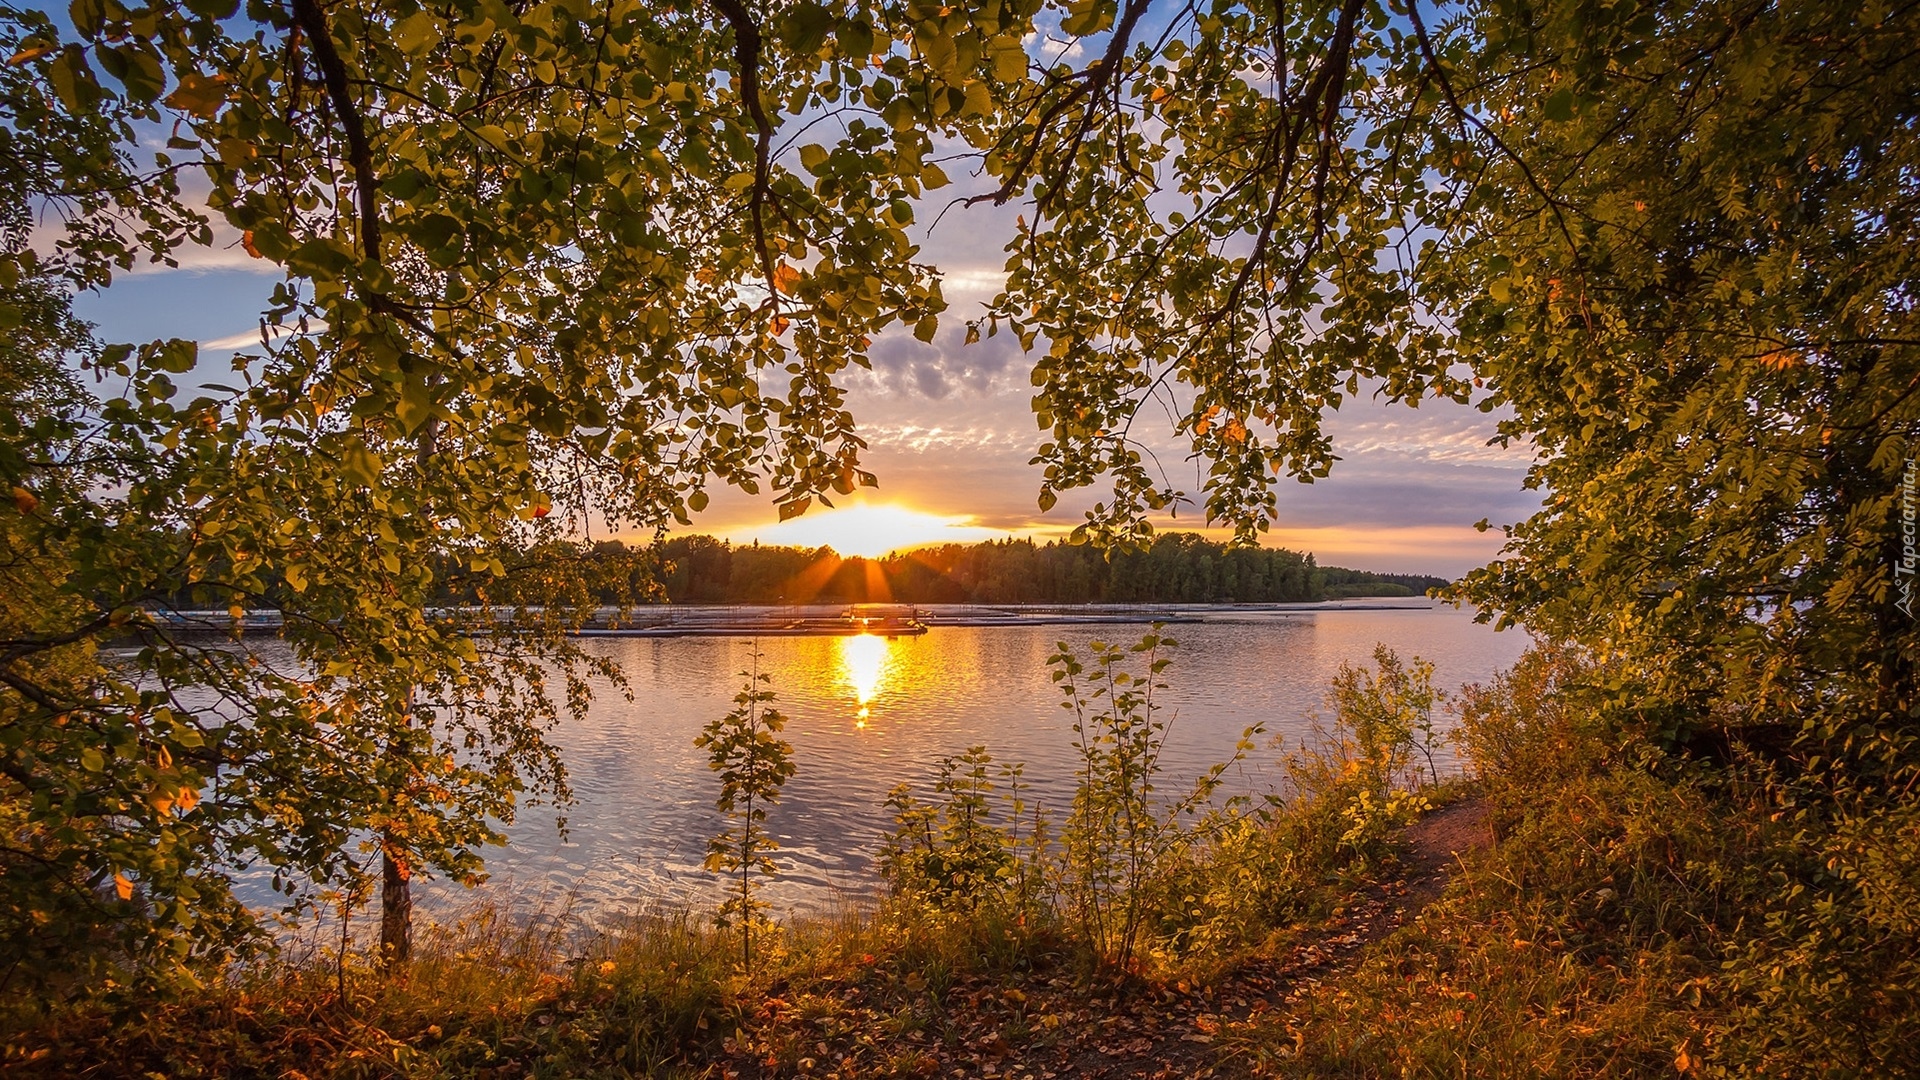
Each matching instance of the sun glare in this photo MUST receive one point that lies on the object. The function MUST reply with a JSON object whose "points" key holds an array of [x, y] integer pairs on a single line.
{"points": [[865, 658], [868, 531]]}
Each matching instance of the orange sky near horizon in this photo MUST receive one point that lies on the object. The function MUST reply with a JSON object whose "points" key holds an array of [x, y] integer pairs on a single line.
{"points": [[874, 527]]}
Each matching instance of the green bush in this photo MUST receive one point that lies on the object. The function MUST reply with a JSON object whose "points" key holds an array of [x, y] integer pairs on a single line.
{"points": [[1120, 876], [966, 849]]}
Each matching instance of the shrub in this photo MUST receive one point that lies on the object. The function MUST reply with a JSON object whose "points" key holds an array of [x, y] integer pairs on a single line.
{"points": [[1121, 870], [965, 849], [1357, 781], [754, 763]]}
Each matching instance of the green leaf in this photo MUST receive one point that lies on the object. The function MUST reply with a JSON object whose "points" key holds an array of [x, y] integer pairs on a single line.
{"points": [[73, 80], [88, 16], [360, 466], [175, 355], [418, 33]]}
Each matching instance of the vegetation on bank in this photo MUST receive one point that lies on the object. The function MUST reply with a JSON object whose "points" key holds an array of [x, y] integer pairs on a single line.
{"points": [[1175, 568], [1124, 889]]}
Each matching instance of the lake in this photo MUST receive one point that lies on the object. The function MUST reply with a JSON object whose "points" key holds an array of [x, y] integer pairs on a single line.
{"points": [[866, 713]]}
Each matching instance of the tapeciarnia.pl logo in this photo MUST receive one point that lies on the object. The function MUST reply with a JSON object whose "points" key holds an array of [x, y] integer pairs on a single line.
{"points": [[1905, 566]]}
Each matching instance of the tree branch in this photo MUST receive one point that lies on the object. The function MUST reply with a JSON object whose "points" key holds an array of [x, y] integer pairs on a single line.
{"points": [[746, 54], [366, 185]]}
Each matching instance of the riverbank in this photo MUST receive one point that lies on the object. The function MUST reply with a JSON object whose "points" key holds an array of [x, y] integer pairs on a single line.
{"points": [[1581, 907], [892, 991]]}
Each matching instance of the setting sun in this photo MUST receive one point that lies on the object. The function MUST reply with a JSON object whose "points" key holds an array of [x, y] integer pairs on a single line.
{"points": [[869, 531]]}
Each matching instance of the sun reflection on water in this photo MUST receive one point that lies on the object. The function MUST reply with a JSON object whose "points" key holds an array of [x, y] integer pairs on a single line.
{"points": [[864, 656]]}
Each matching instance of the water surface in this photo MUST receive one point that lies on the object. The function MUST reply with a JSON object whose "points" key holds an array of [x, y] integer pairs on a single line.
{"points": [[866, 713]]}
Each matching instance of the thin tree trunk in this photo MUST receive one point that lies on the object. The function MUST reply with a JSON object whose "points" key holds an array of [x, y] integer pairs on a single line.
{"points": [[396, 908], [396, 885]]}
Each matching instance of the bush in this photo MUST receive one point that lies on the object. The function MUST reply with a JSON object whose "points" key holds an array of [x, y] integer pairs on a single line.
{"points": [[1643, 913], [966, 849], [1121, 872], [754, 763]]}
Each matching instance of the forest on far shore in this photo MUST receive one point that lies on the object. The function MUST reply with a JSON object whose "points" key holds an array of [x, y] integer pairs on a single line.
{"points": [[1177, 568]]}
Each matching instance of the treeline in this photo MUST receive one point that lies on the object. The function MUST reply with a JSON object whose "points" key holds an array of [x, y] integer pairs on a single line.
{"points": [[1182, 568]]}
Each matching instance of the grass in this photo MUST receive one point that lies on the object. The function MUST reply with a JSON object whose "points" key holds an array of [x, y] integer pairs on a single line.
{"points": [[1565, 952], [1643, 914], [497, 996], [901, 988]]}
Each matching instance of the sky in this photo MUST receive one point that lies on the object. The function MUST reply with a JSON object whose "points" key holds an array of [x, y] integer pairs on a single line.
{"points": [[951, 431]]}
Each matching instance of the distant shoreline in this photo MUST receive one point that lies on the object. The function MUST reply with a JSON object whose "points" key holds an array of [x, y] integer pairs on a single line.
{"points": [[837, 619]]}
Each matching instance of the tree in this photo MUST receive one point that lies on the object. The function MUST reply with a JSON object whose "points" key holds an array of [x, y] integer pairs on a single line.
{"points": [[1697, 302], [754, 763], [535, 257], [556, 249], [1714, 253], [101, 855]]}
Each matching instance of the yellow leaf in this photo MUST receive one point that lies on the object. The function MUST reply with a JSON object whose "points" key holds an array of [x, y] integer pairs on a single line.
{"points": [[246, 241], [785, 278], [122, 885], [25, 501], [29, 54], [199, 94]]}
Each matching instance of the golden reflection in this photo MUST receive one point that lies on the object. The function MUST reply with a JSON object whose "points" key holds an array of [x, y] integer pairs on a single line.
{"points": [[864, 656]]}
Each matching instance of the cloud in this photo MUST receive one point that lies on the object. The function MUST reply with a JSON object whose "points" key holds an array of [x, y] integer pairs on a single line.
{"points": [[1051, 50], [251, 338], [970, 281], [906, 367]]}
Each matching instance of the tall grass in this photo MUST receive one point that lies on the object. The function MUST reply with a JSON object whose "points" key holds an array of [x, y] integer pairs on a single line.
{"points": [[1642, 914]]}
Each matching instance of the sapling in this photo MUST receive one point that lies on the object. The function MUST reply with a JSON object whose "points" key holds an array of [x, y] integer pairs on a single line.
{"points": [[744, 747], [1120, 833]]}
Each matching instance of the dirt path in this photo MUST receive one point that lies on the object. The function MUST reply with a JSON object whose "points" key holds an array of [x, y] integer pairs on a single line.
{"points": [[1049, 1027], [1172, 1041]]}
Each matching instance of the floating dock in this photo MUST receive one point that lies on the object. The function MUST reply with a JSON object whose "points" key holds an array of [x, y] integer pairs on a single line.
{"points": [[820, 620]]}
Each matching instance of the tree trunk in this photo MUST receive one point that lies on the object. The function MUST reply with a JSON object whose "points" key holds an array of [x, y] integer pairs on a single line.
{"points": [[396, 909]]}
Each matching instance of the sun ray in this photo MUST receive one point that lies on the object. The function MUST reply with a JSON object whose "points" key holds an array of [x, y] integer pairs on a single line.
{"points": [[869, 530]]}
